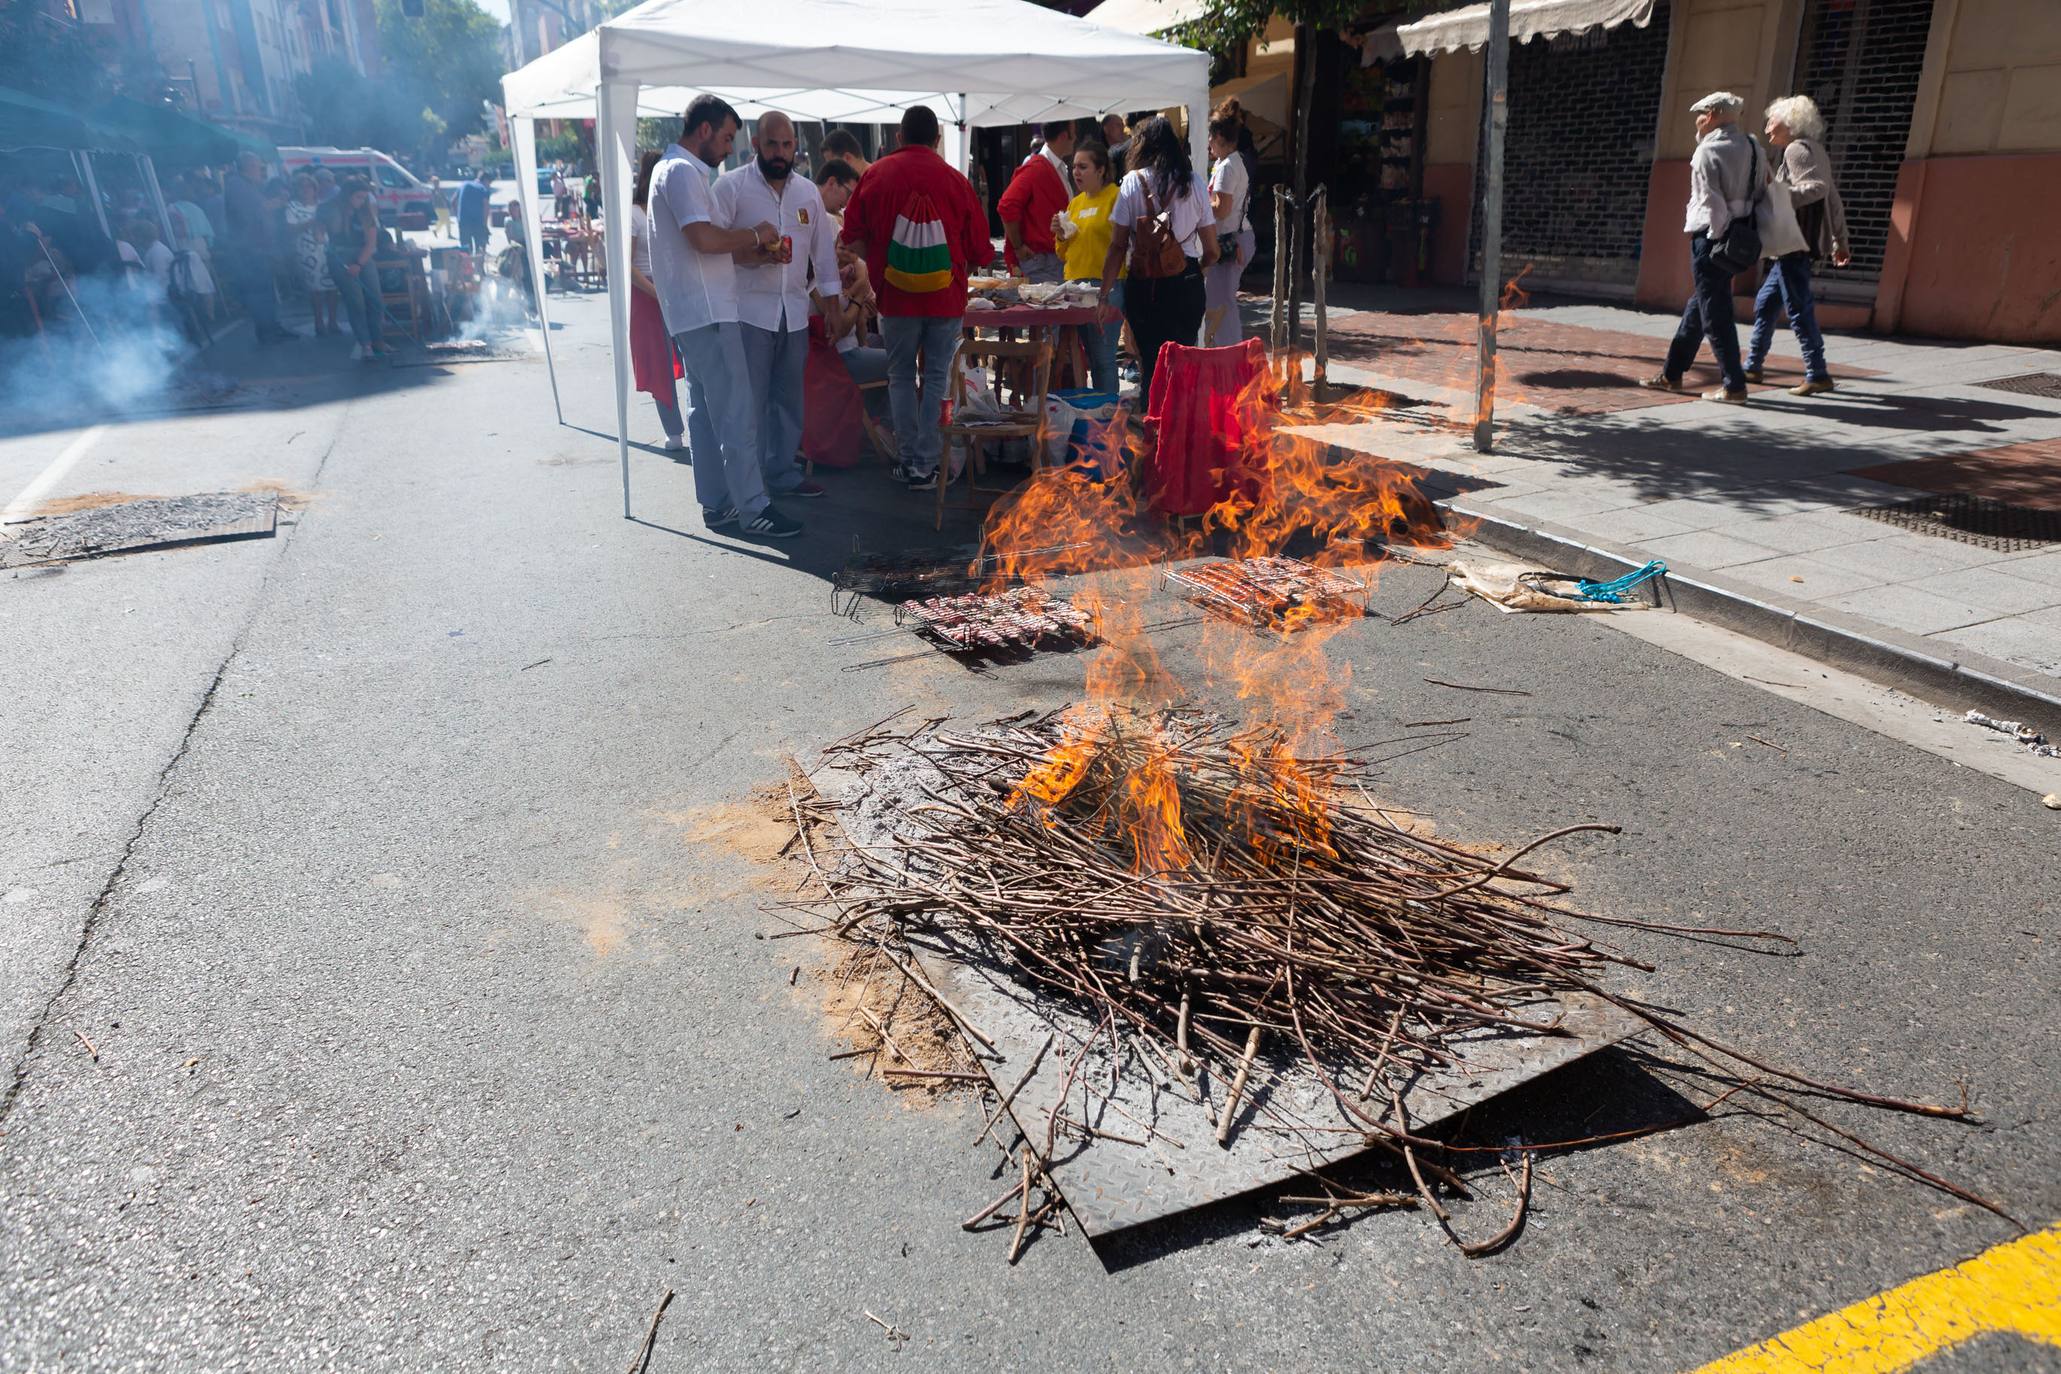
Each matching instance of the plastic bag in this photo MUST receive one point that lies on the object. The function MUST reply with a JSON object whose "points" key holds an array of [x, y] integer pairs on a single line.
{"points": [[1066, 412]]}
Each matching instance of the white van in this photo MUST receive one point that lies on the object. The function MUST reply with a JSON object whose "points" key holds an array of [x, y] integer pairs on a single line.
{"points": [[404, 201]]}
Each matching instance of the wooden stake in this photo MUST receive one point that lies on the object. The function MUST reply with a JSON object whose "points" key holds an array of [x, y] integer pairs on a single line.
{"points": [[1237, 1088]]}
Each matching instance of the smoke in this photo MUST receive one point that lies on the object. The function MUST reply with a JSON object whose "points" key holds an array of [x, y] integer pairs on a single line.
{"points": [[107, 348]]}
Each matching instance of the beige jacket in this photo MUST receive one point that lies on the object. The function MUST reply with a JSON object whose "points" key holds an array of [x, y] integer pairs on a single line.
{"points": [[1807, 173]]}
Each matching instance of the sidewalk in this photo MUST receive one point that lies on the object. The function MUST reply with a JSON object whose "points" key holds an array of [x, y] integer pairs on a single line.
{"points": [[1755, 504]]}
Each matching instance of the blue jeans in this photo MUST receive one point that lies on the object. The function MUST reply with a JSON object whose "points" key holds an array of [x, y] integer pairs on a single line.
{"points": [[775, 358], [1098, 341], [360, 296], [250, 269], [1789, 279], [722, 428], [918, 445], [1707, 315]]}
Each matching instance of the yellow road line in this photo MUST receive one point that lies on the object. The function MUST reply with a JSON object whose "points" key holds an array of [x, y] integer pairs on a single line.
{"points": [[2014, 1288]]}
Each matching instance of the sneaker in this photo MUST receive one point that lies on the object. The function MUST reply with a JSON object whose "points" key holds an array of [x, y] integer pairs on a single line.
{"points": [[359, 353], [1755, 377], [807, 490], [1812, 387], [1660, 381], [927, 482], [1718, 393], [716, 519], [675, 443], [771, 524]]}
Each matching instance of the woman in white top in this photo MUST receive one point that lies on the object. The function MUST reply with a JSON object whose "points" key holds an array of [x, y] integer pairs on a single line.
{"points": [[1161, 187], [652, 358], [1230, 200]]}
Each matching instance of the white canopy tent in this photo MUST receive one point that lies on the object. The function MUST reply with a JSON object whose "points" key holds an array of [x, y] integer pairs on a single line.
{"points": [[977, 63]]}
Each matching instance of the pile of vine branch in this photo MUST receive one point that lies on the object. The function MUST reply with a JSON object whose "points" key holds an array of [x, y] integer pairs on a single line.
{"points": [[1270, 911]]}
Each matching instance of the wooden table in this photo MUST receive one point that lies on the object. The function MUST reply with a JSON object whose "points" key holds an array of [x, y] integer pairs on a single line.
{"points": [[1057, 318]]}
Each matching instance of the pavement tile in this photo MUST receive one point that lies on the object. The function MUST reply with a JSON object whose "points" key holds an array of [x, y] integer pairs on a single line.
{"points": [[1800, 576], [1631, 524], [2018, 639], [2043, 566], [1570, 506], [1907, 557], [1704, 549], [1903, 607], [1993, 586], [1806, 532]]}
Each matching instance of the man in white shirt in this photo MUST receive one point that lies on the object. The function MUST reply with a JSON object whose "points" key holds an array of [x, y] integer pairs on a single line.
{"points": [[773, 291], [1721, 189], [692, 267]]}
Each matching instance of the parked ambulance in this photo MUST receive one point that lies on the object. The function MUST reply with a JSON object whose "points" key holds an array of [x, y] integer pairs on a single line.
{"points": [[404, 202]]}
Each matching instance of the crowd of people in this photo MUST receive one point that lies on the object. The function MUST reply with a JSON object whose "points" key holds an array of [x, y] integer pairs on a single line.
{"points": [[738, 277]]}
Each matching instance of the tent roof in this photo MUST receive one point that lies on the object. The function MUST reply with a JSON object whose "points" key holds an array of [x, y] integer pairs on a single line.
{"points": [[982, 62], [1468, 28], [27, 121], [172, 137], [1147, 16]]}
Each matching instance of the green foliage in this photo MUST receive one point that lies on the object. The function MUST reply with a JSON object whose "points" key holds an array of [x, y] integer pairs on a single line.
{"points": [[1228, 24], [447, 64], [345, 109], [48, 59]]}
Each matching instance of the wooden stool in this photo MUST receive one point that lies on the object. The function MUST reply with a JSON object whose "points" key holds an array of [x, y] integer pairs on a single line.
{"points": [[1024, 420]]}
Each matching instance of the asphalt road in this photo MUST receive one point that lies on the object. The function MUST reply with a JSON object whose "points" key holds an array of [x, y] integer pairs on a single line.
{"points": [[388, 865]]}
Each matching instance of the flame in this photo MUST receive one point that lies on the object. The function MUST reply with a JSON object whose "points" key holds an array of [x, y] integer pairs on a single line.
{"points": [[1285, 493]]}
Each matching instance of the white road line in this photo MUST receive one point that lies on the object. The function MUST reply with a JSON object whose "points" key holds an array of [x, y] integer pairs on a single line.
{"points": [[33, 494]]}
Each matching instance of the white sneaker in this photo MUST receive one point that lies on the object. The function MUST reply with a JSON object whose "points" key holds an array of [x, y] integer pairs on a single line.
{"points": [[675, 442], [359, 353]]}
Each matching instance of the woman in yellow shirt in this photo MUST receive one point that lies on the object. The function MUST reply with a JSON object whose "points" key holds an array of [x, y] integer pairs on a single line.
{"points": [[1082, 231]]}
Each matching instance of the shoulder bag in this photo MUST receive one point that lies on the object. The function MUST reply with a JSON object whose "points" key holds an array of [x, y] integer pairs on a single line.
{"points": [[1739, 247]]}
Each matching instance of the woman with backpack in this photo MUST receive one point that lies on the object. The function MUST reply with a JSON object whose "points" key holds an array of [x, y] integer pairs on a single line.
{"points": [[1164, 228]]}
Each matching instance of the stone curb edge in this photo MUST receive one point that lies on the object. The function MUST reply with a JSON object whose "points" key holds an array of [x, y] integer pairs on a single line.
{"points": [[1858, 646]]}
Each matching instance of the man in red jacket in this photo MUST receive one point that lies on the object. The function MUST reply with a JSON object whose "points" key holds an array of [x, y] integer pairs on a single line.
{"points": [[917, 221], [1040, 189]]}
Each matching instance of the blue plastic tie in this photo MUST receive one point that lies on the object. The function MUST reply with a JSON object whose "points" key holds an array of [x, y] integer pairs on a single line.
{"points": [[1615, 589]]}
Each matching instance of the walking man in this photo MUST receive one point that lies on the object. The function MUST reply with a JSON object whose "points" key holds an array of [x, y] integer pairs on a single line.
{"points": [[1721, 189], [472, 196], [1040, 189], [692, 266], [921, 228], [773, 291]]}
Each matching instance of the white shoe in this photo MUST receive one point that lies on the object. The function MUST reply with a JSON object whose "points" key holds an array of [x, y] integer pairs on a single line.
{"points": [[675, 442], [359, 353]]}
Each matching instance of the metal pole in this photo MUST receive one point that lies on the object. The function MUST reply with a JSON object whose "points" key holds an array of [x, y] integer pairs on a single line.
{"points": [[1497, 107], [1321, 262], [1278, 338]]}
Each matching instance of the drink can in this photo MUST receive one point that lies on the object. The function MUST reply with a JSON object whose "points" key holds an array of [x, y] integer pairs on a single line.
{"points": [[787, 248]]}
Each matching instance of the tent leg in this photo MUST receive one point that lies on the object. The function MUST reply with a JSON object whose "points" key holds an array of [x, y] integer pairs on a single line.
{"points": [[615, 136], [524, 128]]}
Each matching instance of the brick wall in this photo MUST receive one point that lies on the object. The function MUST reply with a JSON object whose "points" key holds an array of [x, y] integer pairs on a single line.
{"points": [[1578, 153], [1860, 60]]}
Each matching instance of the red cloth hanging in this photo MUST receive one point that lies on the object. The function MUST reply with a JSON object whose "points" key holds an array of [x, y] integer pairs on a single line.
{"points": [[1199, 453], [833, 411], [652, 359]]}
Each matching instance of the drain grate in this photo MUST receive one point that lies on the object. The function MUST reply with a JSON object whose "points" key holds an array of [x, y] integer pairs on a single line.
{"points": [[2031, 384], [1979, 520]]}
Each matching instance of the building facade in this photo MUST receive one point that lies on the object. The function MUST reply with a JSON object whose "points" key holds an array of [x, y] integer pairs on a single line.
{"points": [[1944, 131], [232, 61]]}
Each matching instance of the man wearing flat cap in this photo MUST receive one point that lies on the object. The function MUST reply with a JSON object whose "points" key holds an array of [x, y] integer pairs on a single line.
{"points": [[1721, 189]]}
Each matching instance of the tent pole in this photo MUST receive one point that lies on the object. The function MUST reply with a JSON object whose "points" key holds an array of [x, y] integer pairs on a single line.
{"points": [[1498, 108], [615, 135], [157, 197], [524, 127], [84, 161]]}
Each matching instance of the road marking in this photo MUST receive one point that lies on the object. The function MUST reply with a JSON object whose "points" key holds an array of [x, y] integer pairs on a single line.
{"points": [[2015, 1288], [35, 491]]}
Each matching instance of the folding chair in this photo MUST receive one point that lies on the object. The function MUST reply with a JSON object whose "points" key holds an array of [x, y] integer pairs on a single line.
{"points": [[1023, 420]]}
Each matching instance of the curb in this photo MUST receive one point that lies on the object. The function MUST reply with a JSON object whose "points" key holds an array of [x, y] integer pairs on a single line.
{"points": [[1875, 652]]}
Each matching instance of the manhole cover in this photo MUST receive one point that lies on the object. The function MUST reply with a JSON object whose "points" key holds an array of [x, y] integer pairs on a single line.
{"points": [[1979, 520], [2031, 384], [132, 526]]}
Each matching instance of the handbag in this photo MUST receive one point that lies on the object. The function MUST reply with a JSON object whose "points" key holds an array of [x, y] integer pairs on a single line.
{"points": [[1739, 247], [1780, 234], [1155, 251]]}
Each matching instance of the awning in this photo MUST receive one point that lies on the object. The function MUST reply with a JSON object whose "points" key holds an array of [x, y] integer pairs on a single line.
{"points": [[1146, 16], [1469, 28], [171, 137], [27, 121], [1264, 97]]}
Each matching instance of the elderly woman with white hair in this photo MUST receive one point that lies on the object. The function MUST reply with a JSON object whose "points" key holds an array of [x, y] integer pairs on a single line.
{"points": [[1795, 129]]}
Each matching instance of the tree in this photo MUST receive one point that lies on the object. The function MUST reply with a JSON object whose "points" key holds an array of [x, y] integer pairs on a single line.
{"points": [[446, 64], [346, 109], [49, 59]]}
